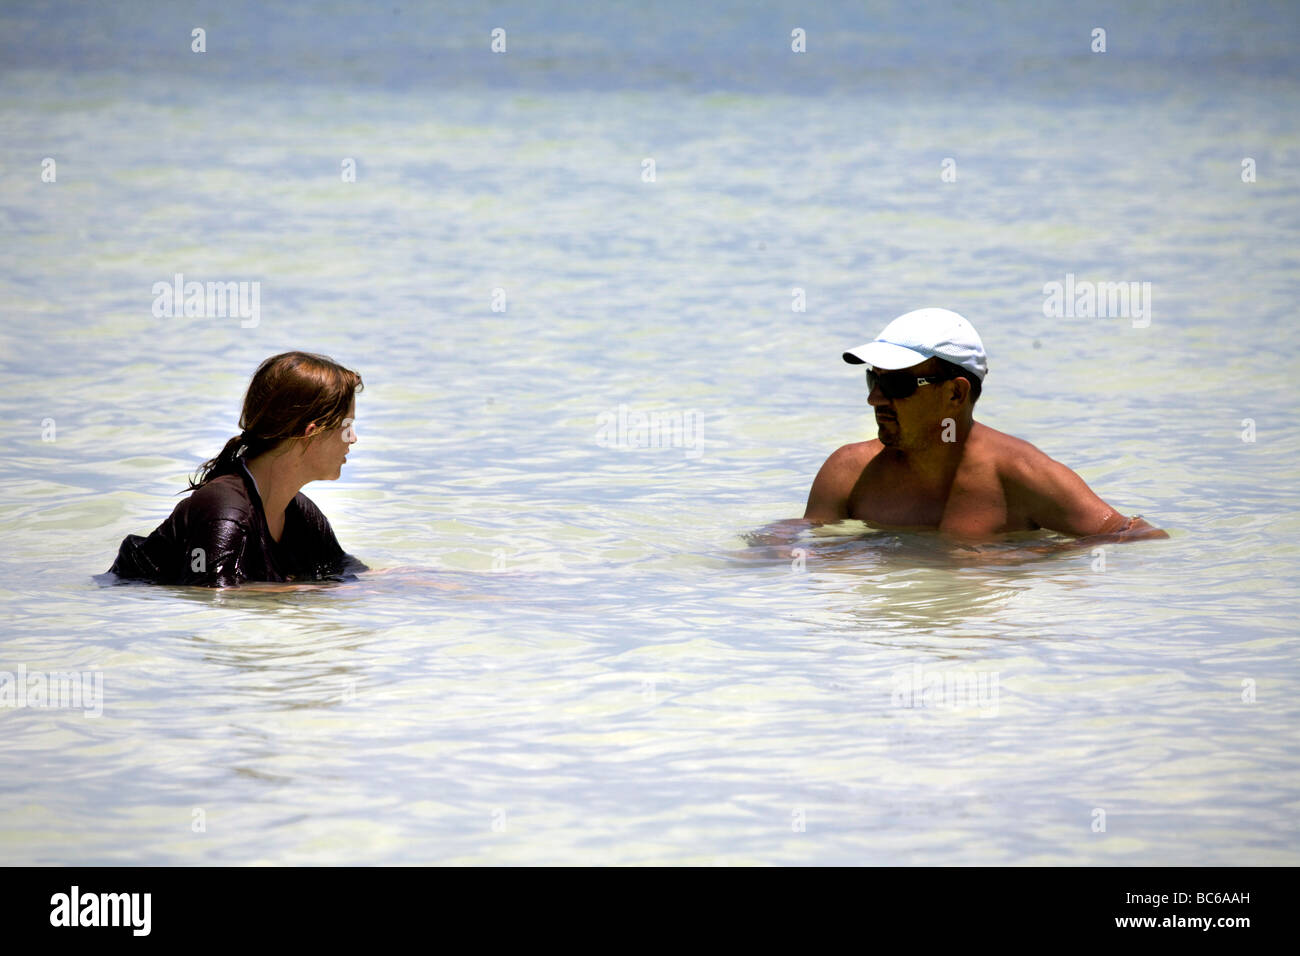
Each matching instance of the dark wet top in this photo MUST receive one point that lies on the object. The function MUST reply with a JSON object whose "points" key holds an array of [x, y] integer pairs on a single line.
{"points": [[218, 537]]}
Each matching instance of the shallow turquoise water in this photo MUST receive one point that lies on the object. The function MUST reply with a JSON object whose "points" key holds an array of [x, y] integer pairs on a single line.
{"points": [[572, 654]]}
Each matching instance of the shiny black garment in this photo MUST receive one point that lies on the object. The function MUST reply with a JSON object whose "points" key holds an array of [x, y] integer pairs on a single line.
{"points": [[225, 519]]}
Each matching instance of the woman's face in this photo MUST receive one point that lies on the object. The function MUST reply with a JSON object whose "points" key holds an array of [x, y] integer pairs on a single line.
{"points": [[327, 453]]}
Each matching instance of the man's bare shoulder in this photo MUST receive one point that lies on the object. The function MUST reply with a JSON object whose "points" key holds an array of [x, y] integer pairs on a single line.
{"points": [[854, 456], [1012, 456], [828, 499]]}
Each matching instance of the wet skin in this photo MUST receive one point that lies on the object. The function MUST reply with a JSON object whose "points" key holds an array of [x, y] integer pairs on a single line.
{"points": [[980, 485]]}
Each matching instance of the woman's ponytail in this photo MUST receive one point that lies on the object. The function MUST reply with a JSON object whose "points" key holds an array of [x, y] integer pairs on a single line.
{"points": [[241, 446]]}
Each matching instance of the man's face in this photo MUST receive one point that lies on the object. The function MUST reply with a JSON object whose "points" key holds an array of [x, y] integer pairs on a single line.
{"points": [[915, 421]]}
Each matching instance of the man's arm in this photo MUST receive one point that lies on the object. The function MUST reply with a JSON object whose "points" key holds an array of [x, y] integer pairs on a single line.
{"points": [[1059, 500], [828, 500]]}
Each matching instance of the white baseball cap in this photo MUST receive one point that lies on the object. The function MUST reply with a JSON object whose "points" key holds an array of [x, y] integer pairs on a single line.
{"points": [[925, 333]]}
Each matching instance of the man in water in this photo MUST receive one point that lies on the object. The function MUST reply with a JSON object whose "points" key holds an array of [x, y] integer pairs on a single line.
{"points": [[933, 467]]}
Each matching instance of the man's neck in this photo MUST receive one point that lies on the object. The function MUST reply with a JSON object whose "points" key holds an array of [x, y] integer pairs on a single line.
{"points": [[936, 464]]}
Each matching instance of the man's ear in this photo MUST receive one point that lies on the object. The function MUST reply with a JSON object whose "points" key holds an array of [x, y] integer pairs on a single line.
{"points": [[960, 389]]}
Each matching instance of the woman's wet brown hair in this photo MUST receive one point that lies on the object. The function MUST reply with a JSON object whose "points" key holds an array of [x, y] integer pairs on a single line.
{"points": [[288, 392]]}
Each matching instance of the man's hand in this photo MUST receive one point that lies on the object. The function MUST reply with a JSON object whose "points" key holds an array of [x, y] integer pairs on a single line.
{"points": [[1128, 529]]}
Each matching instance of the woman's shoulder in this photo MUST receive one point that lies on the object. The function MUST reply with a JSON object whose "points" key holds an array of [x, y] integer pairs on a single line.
{"points": [[306, 505], [327, 556], [222, 498], [312, 515]]}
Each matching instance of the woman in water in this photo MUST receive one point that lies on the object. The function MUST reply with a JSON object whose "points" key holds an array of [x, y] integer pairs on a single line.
{"points": [[246, 519]]}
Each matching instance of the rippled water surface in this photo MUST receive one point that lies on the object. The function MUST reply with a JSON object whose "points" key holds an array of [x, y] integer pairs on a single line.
{"points": [[570, 650]]}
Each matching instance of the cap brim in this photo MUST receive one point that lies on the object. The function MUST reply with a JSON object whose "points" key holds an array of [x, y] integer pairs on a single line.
{"points": [[884, 355]]}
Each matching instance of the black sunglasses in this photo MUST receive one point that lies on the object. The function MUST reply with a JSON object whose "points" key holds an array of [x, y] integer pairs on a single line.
{"points": [[895, 385]]}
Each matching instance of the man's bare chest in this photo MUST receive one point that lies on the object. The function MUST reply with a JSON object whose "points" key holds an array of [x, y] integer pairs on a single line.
{"points": [[972, 504]]}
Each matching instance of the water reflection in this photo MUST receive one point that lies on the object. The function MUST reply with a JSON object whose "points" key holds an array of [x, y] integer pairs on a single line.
{"points": [[904, 580]]}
